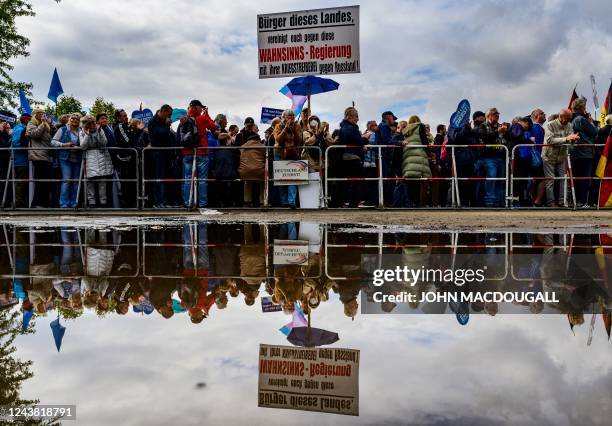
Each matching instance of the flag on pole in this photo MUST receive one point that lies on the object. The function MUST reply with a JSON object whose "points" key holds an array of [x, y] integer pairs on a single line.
{"points": [[296, 100], [24, 104], [55, 90], [573, 98], [604, 170], [606, 108]]}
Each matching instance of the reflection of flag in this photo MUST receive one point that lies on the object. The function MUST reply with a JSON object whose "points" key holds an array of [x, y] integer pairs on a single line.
{"points": [[574, 97], [297, 100], [27, 316], [606, 108], [24, 104], [604, 170], [58, 333], [56, 87], [299, 320], [607, 319]]}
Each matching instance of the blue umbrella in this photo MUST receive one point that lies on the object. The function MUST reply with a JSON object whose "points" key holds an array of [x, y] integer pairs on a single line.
{"points": [[58, 333], [311, 85]]}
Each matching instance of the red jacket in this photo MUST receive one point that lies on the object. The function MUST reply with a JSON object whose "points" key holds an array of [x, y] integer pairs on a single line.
{"points": [[204, 122]]}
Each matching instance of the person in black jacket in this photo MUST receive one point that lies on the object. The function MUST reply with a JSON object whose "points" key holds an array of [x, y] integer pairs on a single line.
{"points": [[225, 170], [352, 158], [160, 136], [127, 136], [5, 154], [464, 161]]}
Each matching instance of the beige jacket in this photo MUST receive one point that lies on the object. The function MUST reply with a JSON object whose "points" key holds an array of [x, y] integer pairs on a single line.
{"points": [[555, 133]]}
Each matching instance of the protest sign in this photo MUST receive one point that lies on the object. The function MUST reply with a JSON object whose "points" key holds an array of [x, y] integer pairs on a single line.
{"points": [[308, 42], [145, 115], [290, 252], [309, 379], [290, 172], [461, 116], [10, 118], [269, 114], [268, 306]]}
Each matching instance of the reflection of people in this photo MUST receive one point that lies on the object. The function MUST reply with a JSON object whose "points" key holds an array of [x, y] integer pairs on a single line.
{"points": [[348, 291]]}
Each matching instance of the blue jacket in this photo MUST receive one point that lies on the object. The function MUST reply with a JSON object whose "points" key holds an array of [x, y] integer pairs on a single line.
{"points": [[225, 166], [384, 136], [350, 135], [20, 155], [462, 136]]}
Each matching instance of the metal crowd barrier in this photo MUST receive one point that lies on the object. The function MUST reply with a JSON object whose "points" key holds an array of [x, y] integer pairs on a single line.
{"points": [[141, 185], [454, 178], [194, 179], [568, 177], [11, 177]]}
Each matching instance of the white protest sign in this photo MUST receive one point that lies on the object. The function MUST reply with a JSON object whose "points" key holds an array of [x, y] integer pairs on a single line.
{"points": [[290, 252], [290, 172], [309, 379], [308, 42]]}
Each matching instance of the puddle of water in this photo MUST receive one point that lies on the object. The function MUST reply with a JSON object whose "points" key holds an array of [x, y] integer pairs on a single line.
{"points": [[163, 323]]}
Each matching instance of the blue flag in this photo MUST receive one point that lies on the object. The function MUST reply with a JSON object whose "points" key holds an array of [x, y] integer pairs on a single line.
{"points": [[24, 103], [58, 331], [27, 316], [55, 89]]}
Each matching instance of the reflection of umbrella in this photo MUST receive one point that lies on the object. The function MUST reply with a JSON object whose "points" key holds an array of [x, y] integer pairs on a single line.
{"points": [[311, 337], [58, 333], [298, 320], [311, 85]]}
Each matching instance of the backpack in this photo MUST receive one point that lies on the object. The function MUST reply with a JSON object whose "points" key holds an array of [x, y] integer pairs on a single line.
{"points": [[187, 135]]}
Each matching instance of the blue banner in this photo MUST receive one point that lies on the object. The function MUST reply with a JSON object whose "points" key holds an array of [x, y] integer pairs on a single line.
{"points": [[269, 114], [461, 116]]}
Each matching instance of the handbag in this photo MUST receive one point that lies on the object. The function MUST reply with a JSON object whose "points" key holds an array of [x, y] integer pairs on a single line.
{"points": [[536, 159]]}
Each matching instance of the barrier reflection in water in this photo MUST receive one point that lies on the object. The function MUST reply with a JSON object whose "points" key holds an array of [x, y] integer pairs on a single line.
{"points": [[189, 267]]}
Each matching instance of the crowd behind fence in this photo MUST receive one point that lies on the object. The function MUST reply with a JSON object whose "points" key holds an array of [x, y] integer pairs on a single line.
{"points": [[83, 163], [335, 183]]}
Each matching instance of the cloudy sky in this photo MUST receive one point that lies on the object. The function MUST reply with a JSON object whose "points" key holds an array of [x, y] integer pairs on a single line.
{"points": [[416, 56]]}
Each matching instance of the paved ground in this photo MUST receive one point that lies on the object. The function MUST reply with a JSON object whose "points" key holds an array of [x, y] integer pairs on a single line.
{"points": [[513, 220]]}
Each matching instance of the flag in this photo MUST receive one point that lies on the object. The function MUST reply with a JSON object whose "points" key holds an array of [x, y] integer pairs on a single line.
{"points": [[55, 90], [24, 103], [604, 170], [58, 333], [299, 320], [606, 107], [27, 316], [574, 97], [607, 319], [296, 100]]}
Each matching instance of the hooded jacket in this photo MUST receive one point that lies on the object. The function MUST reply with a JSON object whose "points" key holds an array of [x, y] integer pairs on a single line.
{"points": [[414, 158]]}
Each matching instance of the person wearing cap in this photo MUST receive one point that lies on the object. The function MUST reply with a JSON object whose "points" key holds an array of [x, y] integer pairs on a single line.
{"points": [[204, 123], [20, 156], [384, 136], [39, 133]]}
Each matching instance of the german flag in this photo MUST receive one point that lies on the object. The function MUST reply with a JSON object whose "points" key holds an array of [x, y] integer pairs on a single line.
{"points": [[607, 107], [572, 99], [604, 170]]}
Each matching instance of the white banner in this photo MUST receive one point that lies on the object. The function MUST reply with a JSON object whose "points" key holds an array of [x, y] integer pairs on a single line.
{"points": [[308, 42], [290, 252], [309, 379], [290, 172]]}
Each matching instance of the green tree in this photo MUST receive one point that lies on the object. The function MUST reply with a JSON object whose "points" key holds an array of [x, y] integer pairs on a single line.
{"points": [[14, 371], [100, 105], [65, 105], [13, 45]]}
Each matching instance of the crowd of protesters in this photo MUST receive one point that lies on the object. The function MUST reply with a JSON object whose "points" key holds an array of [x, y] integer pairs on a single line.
{"points": [[47, 169]]}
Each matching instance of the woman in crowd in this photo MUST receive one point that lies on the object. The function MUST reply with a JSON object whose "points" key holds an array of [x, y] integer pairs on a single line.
{"points": [[288, 139], [39, 133], [99, 164], [317, 135], [70, 160], [412, 162]]}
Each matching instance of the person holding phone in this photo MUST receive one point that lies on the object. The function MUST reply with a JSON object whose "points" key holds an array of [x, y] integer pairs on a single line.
{"points": [[39, 133]]}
